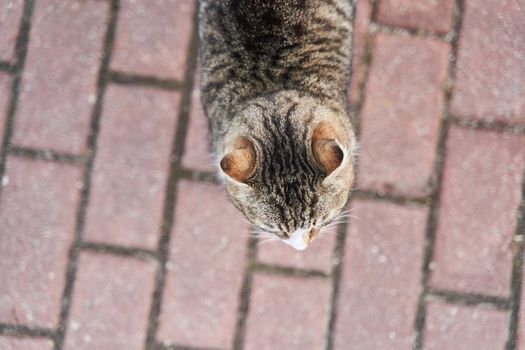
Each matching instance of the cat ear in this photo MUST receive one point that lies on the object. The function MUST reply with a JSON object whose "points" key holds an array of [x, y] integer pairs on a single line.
{"points": [[239, 162], [326, 148]]}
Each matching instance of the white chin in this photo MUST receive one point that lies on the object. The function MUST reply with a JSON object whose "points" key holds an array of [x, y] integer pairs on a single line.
{"points": [[296, 245]]}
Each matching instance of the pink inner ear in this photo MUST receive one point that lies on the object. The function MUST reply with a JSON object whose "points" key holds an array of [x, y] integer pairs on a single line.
{"points": [[326, 151], [239, 162]]}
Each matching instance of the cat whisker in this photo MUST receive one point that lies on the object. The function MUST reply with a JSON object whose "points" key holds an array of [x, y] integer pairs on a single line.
{"points": [[327, 232], [346, 216], [324, 233], [257, 232], [268, 240], [328, 227], [346, 211], [337, 222], [341, 215], [262, 235], [332, 226]]}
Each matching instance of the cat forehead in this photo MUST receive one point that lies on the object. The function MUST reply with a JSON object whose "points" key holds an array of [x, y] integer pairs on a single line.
{"points": [[280, 102]]}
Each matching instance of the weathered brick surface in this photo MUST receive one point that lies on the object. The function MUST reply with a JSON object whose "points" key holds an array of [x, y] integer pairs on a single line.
{"points": [[131, 166], [197, 154], [59, 90], [362, 21], [153, 37], [207, 251], [380, 284], [107, 289], [480, 196], [37, 224], [5, 94], [490, 81], [10, 16], [417, 14], [399, 126], [12, 343], [318, 256], [464, 327], [287, 313], [381, 281]]}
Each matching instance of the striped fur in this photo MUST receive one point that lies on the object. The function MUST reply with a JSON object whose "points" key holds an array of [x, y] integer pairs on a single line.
{"points": [[272, 71]]}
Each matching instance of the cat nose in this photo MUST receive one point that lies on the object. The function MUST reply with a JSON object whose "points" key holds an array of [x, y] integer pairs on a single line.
{"points": [[312, 235]]}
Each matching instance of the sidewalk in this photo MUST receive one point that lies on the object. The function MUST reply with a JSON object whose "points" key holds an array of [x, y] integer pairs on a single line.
{"points": [[115, 235]]}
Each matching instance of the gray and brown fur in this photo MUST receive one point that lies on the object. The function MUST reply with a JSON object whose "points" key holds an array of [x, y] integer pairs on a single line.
{"points": [[274, 86]]}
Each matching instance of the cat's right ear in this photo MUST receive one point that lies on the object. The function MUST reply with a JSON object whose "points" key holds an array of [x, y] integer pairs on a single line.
{"points": [[239, 162]]}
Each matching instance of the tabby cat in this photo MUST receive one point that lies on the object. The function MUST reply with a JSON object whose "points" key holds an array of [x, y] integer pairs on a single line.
{"points": [[274, 87]]}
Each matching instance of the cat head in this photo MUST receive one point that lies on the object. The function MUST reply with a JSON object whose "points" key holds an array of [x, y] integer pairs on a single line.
{"points": [[287, 165]]}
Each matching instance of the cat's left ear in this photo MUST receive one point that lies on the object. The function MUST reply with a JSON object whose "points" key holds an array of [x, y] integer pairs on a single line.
{"points": [[332, 154], [327, 148], [239, 161]]}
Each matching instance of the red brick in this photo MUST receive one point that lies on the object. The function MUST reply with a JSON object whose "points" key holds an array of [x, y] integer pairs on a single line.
{"points": [[131, 166], [12, 343], [417, 14], [318, 255], [59, 82], [197, 153], [361, 23], [477, 217], [400, 120], [10, 15], [5, 94], [37, 224], [381, 285], [205, 269], [111, 301], [490, 81], [153, 39], [463, 327], [301, 326]]}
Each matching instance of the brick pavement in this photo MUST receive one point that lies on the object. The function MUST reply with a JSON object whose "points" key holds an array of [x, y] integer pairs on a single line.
{"points": [[114, 233]]}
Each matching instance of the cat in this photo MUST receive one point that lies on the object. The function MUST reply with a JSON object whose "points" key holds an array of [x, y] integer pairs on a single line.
{"points": [[274, 78]]}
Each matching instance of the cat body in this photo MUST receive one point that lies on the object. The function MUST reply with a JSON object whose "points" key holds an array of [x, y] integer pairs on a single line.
{"points": [[274, 77]]}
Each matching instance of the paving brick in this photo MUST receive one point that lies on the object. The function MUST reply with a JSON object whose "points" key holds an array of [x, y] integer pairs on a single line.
{"points": [[463, 327], [417, 14], [131, 166], [400, 120], [361, 23], [12, 343], [197, 153], [108, 287], [490, 79], [37, 224], [205, 269], [10, 16], [302, 326], [381, 285], [153, 37], [481, 192], [318, 256], [59, 81], [5, 94]]}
